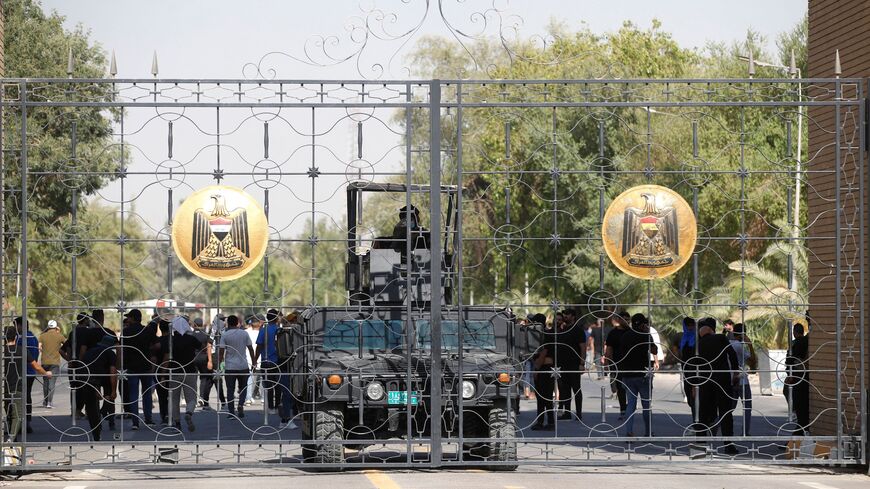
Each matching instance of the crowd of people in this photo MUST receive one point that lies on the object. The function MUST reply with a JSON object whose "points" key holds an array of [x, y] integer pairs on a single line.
{"points": [[714, 365], [176, 360], [180, 361]]}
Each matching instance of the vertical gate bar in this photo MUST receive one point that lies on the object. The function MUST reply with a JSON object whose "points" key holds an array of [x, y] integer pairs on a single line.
{"points": [[696, 400], [838, 213], [435, 266], [122, 301], [862, 409], [409, 323], [457, 271], [24, 265], [313, 204], [2, 260]]}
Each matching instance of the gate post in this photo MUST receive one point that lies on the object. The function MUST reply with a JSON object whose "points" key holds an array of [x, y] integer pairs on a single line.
{"points": [[435, 269]]}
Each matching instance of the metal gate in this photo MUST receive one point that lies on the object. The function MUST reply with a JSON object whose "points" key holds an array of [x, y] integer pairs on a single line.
{"points": [[397, 329]]}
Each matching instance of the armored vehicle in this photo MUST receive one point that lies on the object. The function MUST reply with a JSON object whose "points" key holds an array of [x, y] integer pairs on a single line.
{"points": [[365, 372]]}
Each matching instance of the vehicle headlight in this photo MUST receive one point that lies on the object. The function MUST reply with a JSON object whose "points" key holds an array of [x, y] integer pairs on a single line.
{"points": [[375, 391], [468, 389]]}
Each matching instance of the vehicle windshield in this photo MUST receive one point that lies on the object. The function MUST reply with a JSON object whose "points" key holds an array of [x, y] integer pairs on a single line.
{"points": [[477, 335], [376, 335]]}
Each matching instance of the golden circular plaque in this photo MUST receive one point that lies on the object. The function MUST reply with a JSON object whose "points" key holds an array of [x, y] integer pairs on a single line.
{"points": [[649, 232], [220, 233]]}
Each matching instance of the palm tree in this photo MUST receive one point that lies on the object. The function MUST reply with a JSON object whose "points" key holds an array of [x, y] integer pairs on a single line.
{"points": [[761, 294]]}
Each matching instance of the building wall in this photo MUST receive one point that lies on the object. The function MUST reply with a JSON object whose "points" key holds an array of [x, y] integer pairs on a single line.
{"points": [[843, 25]]}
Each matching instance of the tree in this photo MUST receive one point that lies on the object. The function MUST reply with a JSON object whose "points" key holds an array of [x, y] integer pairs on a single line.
{"points": [[71, 155]]}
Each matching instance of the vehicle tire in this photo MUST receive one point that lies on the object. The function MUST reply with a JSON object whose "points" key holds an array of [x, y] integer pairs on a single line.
{"points": [[505, 427], [328, 424]]}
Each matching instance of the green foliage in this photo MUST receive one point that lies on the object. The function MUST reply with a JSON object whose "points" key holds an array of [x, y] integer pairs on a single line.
{"points": [[36, 45]]}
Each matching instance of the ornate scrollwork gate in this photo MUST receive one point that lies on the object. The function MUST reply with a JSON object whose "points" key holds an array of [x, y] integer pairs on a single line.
{"points": [[401, 325]]}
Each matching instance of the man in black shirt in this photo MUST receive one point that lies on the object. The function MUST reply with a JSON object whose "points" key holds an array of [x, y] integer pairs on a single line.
{"points": [[570, 358], [611, 357], [718, 374], [689, 362], [635, 347], [182, 371], [545, 383], [797, 384], [138, 364], [82, 337], [99, 373]]}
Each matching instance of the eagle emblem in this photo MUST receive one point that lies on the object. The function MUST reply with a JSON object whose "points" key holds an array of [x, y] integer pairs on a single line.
{"points": [[650, 237], [220, 238], [649, 232]]}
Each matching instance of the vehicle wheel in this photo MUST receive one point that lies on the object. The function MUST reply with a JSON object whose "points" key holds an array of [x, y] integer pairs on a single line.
{"points": [[328, 424], [502, 426]]}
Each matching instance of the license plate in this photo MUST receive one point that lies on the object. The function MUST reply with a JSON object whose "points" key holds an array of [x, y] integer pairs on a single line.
{"points": [[401, 398]]}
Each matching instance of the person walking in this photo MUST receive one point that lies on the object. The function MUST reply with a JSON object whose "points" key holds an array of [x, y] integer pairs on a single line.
{"points": [[234, 346], [99, 381], [203, 363], [50, 343], [184, 347], [138, 365], [570, 359], [742, 390], [635, 347], [798, 381], [612, 356], [689, 366], [277, 385], [717, 376], [14, 397], [254, 323], [159, 351], [26, 337], [545, 382]]}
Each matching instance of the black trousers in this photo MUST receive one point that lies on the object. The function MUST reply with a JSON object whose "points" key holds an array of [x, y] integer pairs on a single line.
{"points": [[162, 397], [569, 387], [90, 398], [715, 402], [234, 378], [545, 384], [29, 407], [689, 389], [800, 405], [206, 380]]}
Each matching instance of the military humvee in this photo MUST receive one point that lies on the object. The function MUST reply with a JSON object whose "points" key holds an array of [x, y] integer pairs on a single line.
{"points": [[366, 369]]}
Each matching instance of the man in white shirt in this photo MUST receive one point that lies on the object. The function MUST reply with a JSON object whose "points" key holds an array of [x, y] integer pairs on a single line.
{"points": [[233, 360], [254, 323], [743, 348]]}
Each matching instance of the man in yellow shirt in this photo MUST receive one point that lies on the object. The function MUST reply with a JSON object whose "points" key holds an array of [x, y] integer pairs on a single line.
{"points": [[49, 345]]}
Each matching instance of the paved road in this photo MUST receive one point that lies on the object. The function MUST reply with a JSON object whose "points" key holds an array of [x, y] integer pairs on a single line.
{"points": [[707, 477]]}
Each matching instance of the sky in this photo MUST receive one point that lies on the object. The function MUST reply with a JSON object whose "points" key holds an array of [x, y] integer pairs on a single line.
{"points": [[217, 38]]}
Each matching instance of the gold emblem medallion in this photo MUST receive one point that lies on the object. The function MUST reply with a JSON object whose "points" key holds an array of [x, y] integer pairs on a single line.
{"points": [[649, 232], [220, 233]]}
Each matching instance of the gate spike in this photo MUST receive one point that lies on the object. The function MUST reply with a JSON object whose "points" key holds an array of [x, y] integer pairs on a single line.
{"points": [[69, 63], [113, 65], [792, 65], [751, 64], [838, 70], [154, 70]]}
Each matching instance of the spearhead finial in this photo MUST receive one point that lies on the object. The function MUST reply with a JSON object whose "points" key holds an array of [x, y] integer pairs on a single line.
{"points": [[113, 65], [838, 69], [70, 64], [792, 65], [154, 70], [751, 64]]}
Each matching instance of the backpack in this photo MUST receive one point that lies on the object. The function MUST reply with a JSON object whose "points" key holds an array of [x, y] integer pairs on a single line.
{"points": [[284, 343]]}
